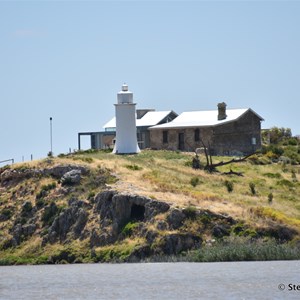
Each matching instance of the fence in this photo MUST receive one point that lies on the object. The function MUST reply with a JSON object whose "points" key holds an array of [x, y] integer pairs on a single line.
{"points": [[7, 160]]}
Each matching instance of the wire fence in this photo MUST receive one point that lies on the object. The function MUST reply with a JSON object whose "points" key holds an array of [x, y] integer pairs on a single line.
{"points": [[7, 160]]}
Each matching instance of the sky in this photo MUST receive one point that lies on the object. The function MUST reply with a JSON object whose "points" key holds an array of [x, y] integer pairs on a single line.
{"points": [[68, 60]]}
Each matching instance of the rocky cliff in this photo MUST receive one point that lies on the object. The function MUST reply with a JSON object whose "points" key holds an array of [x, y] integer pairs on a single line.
{"points": [[54, 213]]}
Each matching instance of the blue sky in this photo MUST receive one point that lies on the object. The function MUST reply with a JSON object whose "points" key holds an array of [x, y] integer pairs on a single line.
{"points": [[68, 59]]}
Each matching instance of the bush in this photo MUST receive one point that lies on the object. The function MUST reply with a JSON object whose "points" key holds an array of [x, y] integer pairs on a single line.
{"points": [[259, 160], [229, 185], [286, 183], [133, 167], [7, 213], [49, 214], [44, 190], [91, 195], [294, 176], [129, 228], [293, 141], [190, 212], [252, 188], [292, 153], [39, 203], [277, 151], [27, 207], [194, 181], [244, 249], [270, 198], [273, 175]]}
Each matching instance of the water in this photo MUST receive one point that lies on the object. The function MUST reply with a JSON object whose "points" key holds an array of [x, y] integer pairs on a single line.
{"points": [[232, 280]]}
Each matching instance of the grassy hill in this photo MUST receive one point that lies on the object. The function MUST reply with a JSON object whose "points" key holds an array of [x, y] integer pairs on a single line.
{"points": [[246, 215]]}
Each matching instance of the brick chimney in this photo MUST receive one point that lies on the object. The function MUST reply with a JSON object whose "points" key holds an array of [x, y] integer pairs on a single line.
{"points": [[222, 111]]}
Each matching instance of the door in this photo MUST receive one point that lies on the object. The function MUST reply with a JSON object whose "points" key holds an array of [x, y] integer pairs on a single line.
{"points": [[181, 141]]}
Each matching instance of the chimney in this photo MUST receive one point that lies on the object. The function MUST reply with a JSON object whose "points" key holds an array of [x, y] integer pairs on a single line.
{"points": [[222, 111]]}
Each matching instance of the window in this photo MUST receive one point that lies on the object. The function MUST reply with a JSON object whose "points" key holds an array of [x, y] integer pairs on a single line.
{"points": [[165, 136], [197, 135]]}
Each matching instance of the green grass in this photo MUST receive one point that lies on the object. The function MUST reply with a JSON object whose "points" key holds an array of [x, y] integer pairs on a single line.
{"points": [[115, 253], [243, 249]]}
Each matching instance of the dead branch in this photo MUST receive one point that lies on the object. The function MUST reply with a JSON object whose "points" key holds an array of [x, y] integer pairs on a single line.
{"points": [[211, 167], [231, 161], [233, 173]]}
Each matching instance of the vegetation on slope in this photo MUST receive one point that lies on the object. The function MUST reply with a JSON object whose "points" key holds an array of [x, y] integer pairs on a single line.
{"points": [[249, 217]]}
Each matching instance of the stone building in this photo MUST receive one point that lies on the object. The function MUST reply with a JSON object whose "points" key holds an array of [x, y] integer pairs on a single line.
{"points": [[224, 131]]}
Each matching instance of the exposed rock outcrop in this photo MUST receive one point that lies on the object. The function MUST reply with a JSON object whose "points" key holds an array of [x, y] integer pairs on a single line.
{"points": [[175, 218], [15, 176], [173, 244], [71, 177], [115, 210], [60, 170], [71, 220]]}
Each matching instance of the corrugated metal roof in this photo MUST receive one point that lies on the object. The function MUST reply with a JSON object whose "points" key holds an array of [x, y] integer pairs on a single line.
{"points": [[151, 118], [203, 118], [110, 124]]}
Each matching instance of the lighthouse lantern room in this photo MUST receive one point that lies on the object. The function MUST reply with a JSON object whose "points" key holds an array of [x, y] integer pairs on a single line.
{"points": [[126, 135]]}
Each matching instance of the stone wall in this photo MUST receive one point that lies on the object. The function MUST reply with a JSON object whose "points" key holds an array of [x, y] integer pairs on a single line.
{"points": [[235, 137], [231, 138], [156, 138]]}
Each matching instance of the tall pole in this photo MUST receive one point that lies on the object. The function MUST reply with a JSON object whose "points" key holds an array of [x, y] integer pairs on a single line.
{"points": [[51, 152]]}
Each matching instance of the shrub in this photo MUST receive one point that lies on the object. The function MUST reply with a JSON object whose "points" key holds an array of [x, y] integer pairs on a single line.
{"points": [[292, 153], [7, 213], [229, 185], [27, 207], [205, 219], [238, 228], [129, 228], [286, 183], [245, 249], [49, 214], [190, 212], [270, 198], [294, 177], [39, 203], [91, 195], [252, 188], [293, 141], [272, 150], [44, 190], [48, 187], [259, 160], [83, 158], [133, 167], [273, 175], [194, 181]]}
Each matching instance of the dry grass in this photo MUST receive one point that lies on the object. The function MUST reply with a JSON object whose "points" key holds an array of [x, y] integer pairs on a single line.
{"points": [[165, 176]]}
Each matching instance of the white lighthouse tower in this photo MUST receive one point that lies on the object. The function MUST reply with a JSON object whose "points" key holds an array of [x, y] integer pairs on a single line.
{"points": [[126, 139]]}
